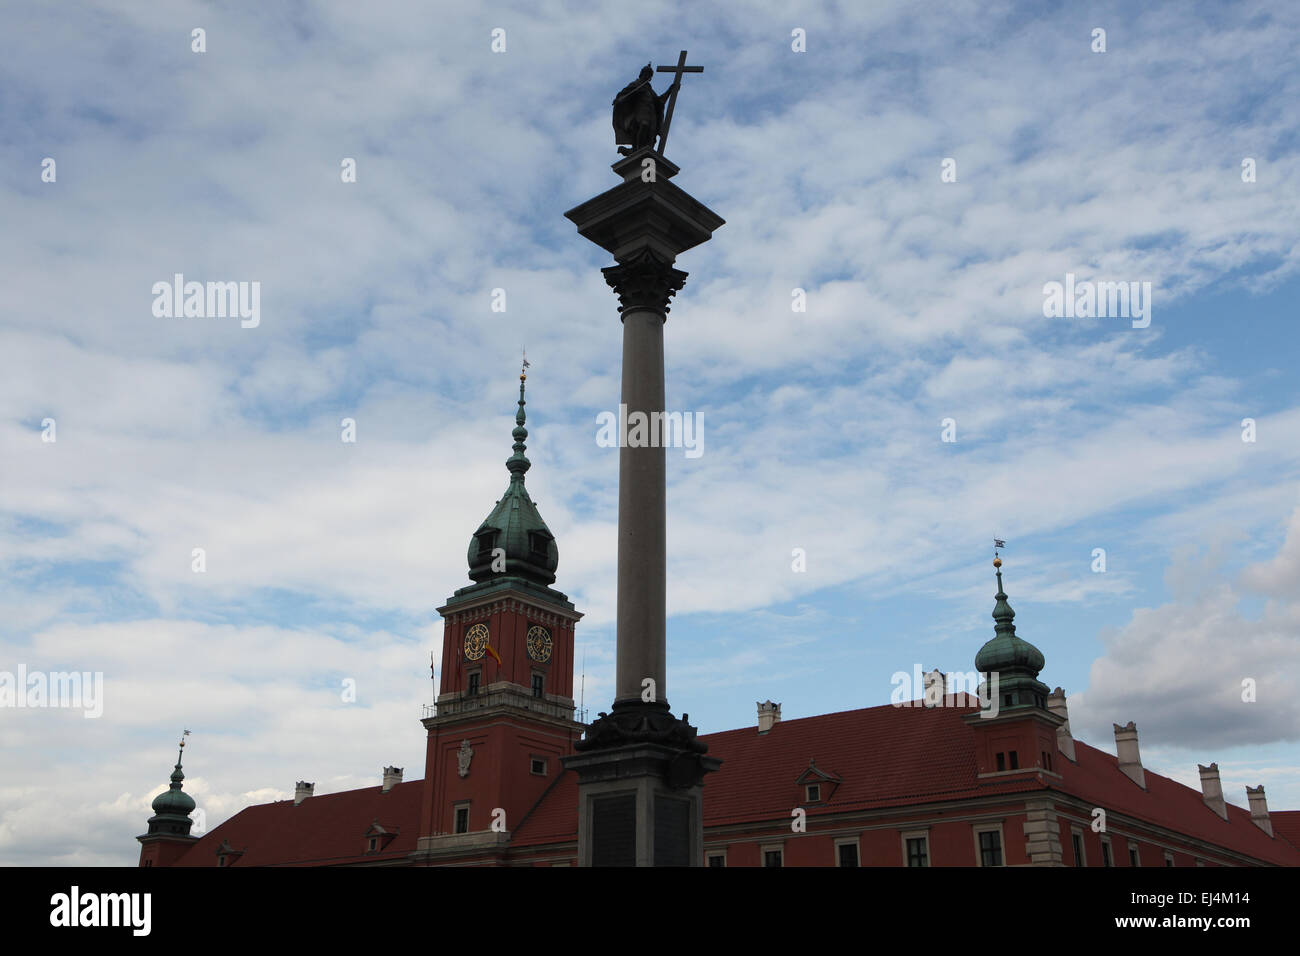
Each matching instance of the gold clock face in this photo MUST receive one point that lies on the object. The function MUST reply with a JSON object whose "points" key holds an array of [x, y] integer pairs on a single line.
{"points": [[476, 641], [539, 643]]}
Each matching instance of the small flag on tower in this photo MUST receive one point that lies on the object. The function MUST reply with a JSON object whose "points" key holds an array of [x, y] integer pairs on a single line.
{"points": [[495, 656]]}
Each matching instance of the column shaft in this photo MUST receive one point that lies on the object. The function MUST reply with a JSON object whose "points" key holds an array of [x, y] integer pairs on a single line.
{"points": [[642, 547]]}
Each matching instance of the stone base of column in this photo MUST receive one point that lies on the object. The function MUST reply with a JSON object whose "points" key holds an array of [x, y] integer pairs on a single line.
{"points": [[640, 805], [640, 782]]}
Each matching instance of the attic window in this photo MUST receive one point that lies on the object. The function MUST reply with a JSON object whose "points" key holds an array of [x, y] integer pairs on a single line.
{"points": [[373, 845], [814, 792], [486, 540], [537, 543], [537, 766]]}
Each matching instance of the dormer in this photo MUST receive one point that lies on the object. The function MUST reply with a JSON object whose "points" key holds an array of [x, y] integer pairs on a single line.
{"points": [[378, 836], [227, 855], [816, 786]]}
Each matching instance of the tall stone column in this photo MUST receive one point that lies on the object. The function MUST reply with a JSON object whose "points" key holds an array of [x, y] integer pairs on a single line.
{"points": [[643, 284], [640, 768]]}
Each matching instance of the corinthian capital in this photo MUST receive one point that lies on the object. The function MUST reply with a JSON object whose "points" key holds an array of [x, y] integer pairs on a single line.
{"points": [[644, 281]]}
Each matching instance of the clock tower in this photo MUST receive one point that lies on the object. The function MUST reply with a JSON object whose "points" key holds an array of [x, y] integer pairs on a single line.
{"points": [[504, 715]]}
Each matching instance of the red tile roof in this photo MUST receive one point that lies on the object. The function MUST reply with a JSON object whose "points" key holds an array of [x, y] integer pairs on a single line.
{"points": [[321, 831], [1096, 777], [1286, 824], [555, 817], [885, 756]]}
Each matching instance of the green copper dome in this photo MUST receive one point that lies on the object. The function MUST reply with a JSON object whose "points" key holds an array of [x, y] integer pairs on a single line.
{"points": [[174, 801], [1016, 662], [527, 547], [172, 807]]}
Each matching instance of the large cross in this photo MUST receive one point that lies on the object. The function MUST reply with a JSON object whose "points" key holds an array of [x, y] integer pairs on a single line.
{"points": [[679, 69]]}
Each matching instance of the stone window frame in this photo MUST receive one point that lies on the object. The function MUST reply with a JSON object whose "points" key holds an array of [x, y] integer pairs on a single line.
{"points": [[1134, 854], [977, 829], [766, 848], [1169, 858], [714, 855], [854, 841], [921, 834]]}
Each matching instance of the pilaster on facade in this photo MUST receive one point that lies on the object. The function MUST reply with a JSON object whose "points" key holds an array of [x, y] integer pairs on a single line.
{"points": [[1042, 834]]}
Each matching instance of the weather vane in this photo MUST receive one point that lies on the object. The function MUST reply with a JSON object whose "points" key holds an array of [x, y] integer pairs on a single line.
{"points": [[183, 736], [998, 545], [524, 367], [639, 113]]}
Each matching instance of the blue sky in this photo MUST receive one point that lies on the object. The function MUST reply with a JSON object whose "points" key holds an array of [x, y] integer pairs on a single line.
{"points": [[822, 429]]}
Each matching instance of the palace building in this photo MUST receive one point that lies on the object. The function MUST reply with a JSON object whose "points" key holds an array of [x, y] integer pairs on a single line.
{"points": [[942, 782]]}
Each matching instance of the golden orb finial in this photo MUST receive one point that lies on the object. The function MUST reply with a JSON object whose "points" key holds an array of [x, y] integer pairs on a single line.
{"points": [[997, 562]]}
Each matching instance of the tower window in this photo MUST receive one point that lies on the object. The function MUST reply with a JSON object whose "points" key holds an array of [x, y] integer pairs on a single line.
{"points": [[474, 683], [1015, 760], [1002, 761], [486, 540], [538, 766], [462, 820], [537, 545], [539, 688]]}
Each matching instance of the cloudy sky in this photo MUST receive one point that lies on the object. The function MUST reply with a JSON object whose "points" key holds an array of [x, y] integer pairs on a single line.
{"points": [[920, 175]]}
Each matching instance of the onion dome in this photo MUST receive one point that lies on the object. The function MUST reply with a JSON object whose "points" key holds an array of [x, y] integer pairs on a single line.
{"points": [[1016, 662], [513, 541], [172, 807]]}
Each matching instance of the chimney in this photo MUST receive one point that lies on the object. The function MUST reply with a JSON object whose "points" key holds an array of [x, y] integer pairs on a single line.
{"points": [[1259, 809], [392, 777], [769, 714], [301, 791], [1064, 741], [1126, 747], [935, 687], [1212, 789]]}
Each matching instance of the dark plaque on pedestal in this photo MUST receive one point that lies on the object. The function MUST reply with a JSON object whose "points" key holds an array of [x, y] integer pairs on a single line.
{"points": [[613, 831], [672, 832]]}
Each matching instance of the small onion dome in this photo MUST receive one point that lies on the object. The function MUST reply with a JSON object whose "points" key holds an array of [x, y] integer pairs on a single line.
{"points": [[1016, 660], [174, 801]]}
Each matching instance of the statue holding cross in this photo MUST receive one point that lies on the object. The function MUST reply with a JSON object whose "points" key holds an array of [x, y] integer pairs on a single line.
{"points": [[639, 113]]}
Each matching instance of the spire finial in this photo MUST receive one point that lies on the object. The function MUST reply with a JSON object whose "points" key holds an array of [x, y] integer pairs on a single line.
{"points": [[518, 463]]}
